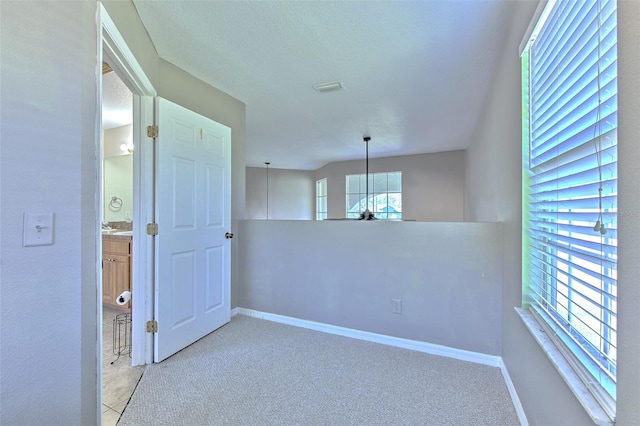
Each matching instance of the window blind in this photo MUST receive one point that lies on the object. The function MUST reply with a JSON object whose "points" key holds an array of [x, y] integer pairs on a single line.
{"points": [[571, 193]]}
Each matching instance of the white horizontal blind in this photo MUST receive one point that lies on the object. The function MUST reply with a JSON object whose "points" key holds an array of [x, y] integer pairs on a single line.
{"points": [[572, 191]]}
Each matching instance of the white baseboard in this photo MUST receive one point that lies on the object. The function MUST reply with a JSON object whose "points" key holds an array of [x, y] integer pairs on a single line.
{"points": [[514, 395], [430, 348]]}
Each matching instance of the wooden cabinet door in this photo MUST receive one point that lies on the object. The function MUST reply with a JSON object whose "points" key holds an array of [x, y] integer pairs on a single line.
{"points": [[108, 279], [115, 278]]}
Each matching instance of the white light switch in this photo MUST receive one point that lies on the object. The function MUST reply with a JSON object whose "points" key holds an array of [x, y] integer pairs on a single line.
{"points": [[38, 229]]}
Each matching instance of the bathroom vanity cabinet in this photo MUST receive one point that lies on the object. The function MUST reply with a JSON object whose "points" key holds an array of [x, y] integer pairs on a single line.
{"points": [[116, 269]]}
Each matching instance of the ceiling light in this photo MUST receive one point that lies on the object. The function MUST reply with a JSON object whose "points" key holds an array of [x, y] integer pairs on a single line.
{"points": [[126, 148], [332, 86]]}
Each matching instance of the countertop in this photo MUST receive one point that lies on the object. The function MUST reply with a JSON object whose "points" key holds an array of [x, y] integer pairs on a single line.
{"points": [[117, 234]]}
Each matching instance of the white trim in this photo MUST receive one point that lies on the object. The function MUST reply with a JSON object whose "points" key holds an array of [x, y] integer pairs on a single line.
{"points": [[430, 348], [522, 416], [532, 25], [114, 47], [123, 59], [143, 212], [98, 202], [564, 368]]}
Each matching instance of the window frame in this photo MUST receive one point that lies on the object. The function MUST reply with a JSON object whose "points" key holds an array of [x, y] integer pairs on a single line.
{"points": [[567, 351], [322, 214], [374, 194]]}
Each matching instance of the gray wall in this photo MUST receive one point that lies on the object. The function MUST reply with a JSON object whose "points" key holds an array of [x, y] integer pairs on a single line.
{"points": [[48, 294], [346, 273], [432, 184], [291, 194], [493, 193], [52, 167]]}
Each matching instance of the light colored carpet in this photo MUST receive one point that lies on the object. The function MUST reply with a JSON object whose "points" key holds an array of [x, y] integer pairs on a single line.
{"points": [[256, 372]]}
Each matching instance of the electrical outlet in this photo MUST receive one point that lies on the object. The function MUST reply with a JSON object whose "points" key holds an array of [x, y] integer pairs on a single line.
{"points": [[396, 306]]}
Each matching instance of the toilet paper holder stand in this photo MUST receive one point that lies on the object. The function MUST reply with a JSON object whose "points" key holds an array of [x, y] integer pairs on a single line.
{"points": [[122, 335]]}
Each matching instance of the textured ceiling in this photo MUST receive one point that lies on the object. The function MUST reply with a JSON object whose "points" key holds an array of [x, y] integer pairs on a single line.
{"points": [[117, 102], [415, 74]]}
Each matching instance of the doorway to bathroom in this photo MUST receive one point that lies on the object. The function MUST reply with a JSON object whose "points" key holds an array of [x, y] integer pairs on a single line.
{"points": [[140, 210], [119, 376], [124, 198], [117, 190]]}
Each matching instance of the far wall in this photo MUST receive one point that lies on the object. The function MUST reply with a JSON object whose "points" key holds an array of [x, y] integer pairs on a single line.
{"points": [[347, 273], [291, 194], [432, 184], [432, 187]]}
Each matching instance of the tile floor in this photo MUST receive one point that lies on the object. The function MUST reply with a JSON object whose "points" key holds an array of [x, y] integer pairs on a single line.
{"points": [[119, 379]]}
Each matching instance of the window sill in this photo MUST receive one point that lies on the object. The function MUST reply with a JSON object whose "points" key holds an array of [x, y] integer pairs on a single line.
{"points": [[577, 386]]}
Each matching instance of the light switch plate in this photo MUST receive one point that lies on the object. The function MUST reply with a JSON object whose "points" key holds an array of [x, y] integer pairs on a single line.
{"points": [[397, 306], [37, 230]]}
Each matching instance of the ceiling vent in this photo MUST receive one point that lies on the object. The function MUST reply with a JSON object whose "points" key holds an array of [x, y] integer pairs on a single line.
{"points": [[332, 86]]}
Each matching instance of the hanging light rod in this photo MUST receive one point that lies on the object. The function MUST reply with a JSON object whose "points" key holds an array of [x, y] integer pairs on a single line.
{"points": [[367, 214], [267, 163]]}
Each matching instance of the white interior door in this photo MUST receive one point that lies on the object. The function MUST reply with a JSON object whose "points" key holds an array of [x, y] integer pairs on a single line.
{"points": [[193, 194]]}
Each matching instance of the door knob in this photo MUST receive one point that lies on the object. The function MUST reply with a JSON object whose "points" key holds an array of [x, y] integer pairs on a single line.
{"points": [[228, 235]]}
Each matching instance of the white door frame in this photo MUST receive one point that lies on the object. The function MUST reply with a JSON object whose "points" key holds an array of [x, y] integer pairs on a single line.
{"points": [[122, 60]]}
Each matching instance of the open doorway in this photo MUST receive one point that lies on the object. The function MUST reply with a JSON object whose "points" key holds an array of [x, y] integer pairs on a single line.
{"points": [[119, 377], [130, 218]]}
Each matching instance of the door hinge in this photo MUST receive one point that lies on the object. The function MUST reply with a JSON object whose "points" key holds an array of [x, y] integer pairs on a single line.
{"points": [[152, 229], [152, 131], [152, 326]]}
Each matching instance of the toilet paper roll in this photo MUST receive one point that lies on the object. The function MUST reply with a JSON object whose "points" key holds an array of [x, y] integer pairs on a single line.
{"points": [[123, 298]]}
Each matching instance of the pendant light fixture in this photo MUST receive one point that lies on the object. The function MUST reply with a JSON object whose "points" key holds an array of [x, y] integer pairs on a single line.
{"points": [[367, 214]]}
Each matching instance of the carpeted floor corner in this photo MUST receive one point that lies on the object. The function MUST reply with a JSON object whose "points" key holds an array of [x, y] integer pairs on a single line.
{"points": [[256, 372]]}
